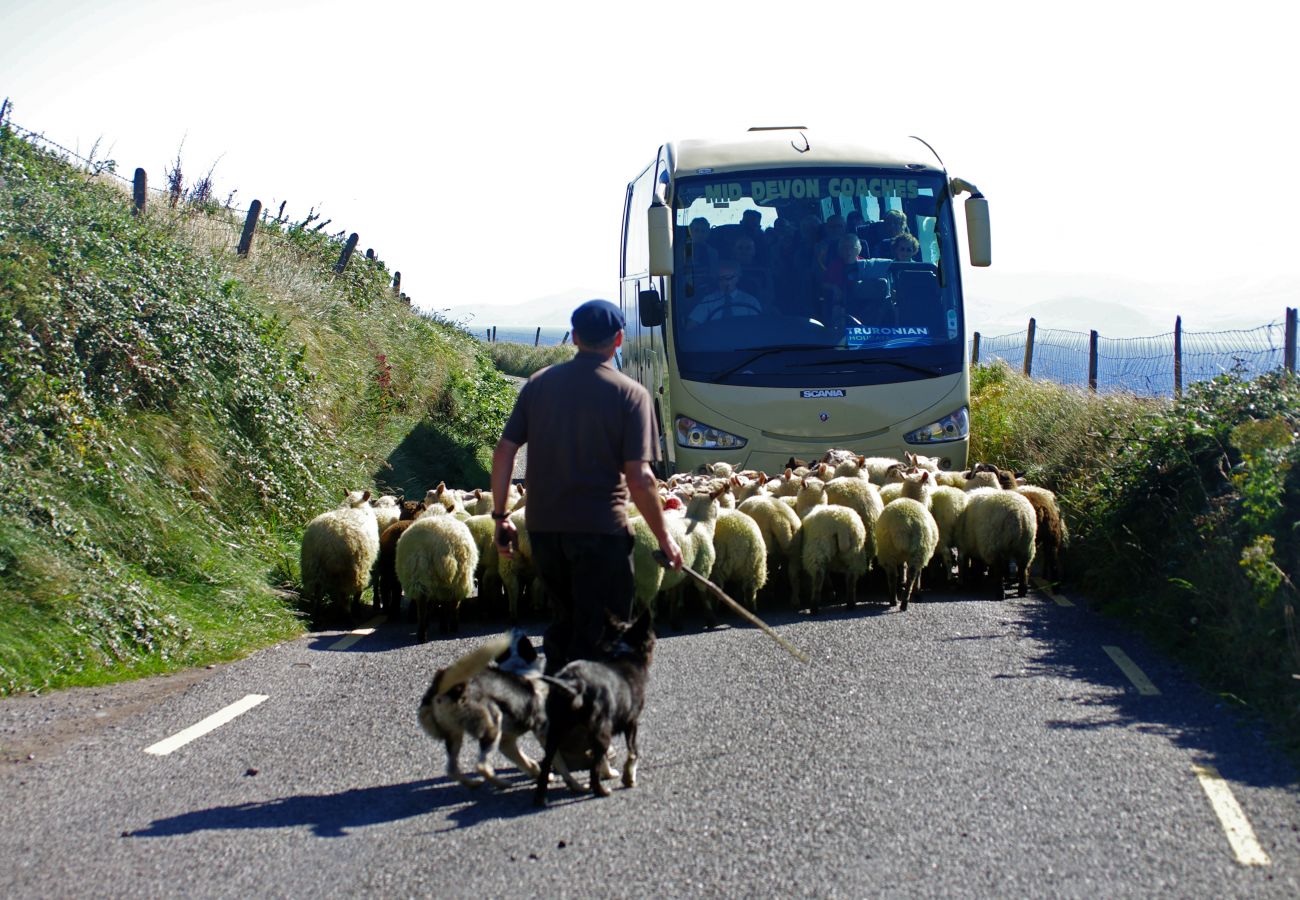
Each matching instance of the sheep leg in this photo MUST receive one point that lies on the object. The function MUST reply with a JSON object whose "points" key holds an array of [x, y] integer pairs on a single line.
{"points": [[1022, 579], [710, 611], [422, 618]]}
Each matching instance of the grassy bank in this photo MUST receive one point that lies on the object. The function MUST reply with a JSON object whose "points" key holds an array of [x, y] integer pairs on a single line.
{"points": [[1185, 515], [171, 415], [525, 359]]}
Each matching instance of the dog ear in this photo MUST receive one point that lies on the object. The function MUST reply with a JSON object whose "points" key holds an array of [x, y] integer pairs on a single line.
{"points": [[640, 629]]}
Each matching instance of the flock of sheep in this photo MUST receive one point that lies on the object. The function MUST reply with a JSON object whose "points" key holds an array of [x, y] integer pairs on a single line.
{"points": [[838, 516]]}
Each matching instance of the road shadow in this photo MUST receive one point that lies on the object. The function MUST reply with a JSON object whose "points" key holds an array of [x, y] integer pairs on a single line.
{"points": [[339, 814], [1070, 641], [425, 457]]}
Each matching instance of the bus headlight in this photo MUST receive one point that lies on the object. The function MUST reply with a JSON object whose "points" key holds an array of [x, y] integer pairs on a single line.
{"points": [[699, 436], [953, 427]]}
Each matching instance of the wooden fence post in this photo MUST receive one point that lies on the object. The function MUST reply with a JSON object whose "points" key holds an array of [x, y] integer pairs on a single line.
{"points": [[1289, 352], [370, 253], [494, 334], [397, 283], [348, 249], [250, 224], [564, 340], [975, 349], [1029, 349], [140, 191], [1178, 356], [1092, 361], [537, 338]]}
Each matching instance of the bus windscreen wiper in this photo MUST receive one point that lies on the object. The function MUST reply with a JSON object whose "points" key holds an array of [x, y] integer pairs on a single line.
{"points": [[760, 352], [887, 360]]}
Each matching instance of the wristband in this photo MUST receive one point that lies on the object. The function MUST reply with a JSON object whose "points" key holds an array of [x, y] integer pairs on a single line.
{"points": [[500, 517]]}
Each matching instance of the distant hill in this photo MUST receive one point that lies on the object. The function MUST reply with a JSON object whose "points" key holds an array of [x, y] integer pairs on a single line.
{"points": [[1002, 303], [551, 311]]}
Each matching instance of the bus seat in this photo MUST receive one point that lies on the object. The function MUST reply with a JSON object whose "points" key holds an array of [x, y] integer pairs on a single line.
{"points": [[916, 291]]}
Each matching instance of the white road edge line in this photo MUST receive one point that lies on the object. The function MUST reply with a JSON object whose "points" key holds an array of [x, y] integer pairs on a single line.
{"points": [[1046, 587], [212, 722], [1130, 668], [357, 634], [1235, 824]]}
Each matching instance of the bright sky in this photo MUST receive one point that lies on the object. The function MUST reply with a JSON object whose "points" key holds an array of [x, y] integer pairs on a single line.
{"points": [[483, 149]]}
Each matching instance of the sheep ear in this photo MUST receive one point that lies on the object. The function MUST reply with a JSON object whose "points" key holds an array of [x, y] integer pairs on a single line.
{"points": [[365, 496], [789, 473], [478, 493], [441, 488], [925, 475], [720, 491]]}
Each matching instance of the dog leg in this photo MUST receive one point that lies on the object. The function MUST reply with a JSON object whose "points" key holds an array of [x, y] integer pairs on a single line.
{"points": [[563, 768], [453, 764], [510, 747], [544, 772], [629, 764], [484, 767], [599, 750]]}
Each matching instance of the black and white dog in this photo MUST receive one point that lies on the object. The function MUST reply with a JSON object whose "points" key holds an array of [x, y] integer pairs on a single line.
{"points": [[590, 701], [494, 694]]}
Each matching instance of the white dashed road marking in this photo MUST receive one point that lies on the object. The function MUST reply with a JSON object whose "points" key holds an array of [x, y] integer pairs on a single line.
{"points": [[1130, 668], [1240, 835], [214, 721], [353, 636]]}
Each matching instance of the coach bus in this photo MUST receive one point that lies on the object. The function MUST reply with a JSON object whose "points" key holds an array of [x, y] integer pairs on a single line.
{"points": [[787, 293]]}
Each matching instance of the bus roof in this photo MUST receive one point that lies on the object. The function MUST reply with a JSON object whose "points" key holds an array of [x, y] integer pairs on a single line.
{"points": [[795, 148]]}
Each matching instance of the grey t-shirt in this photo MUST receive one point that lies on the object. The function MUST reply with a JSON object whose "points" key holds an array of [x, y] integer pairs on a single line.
{"points": [[582, 420]]}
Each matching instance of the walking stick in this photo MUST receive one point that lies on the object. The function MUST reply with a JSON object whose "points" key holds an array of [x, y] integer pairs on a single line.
{"points": [[712, 588]]}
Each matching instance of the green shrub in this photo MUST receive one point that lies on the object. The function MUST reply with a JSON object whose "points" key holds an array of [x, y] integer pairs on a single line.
{"points": [[171, 415], [1185, 515]]}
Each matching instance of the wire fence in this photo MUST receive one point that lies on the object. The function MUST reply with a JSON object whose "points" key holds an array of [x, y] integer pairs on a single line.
{"points": [[1156, 365], [197, 199]]}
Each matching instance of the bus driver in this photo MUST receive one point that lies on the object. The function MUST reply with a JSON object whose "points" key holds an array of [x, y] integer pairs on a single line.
{"points": [[728, 300]]}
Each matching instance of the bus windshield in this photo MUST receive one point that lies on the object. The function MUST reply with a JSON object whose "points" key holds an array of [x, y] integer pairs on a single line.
{"points": [[821, 277]]}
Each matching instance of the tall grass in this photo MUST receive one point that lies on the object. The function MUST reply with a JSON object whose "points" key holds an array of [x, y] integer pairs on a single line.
{"points": [[1185, 515], [171, 415], [522, 360]]}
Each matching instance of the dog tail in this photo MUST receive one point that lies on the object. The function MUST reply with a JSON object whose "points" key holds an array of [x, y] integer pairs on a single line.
{"points": [[575, 696], [473, 662]]}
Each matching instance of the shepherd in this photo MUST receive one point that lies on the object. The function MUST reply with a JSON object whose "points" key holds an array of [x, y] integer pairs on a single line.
{"points": [[591, 439]]}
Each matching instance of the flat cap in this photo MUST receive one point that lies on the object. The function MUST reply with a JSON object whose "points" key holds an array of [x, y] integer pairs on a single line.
{"points": [[596, 321]]}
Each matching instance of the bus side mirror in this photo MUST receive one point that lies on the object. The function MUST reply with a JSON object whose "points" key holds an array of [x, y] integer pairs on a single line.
{"points": [[978, 236], [660, 223], [651, 309]]}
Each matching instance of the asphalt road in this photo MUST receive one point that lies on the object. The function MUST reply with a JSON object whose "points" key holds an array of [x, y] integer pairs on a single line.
{"points": [[964, 748]]}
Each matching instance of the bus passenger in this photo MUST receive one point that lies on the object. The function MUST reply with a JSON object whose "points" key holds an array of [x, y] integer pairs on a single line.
{"points": [[903, 248], [891, 225], [727, 301], [755, 278]]}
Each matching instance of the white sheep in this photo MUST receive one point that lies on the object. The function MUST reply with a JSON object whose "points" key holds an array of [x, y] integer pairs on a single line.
{"points": [[486, 573], [891, 492], [740, 556], [812, 493], [517, 571], [861, 496], [339, 548], [388, 509], [779, 525], [906, 537], [946, 505], [694, 535], [997, 528], [436, 558], [832, 539]]}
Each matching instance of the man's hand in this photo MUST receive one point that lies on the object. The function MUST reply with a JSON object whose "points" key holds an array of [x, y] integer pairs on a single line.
{"points": [[669, 548], [507, 536]]}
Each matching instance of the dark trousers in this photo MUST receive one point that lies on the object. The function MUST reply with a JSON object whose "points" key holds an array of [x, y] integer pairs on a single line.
{"points": [[586, 575]]}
